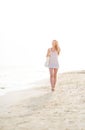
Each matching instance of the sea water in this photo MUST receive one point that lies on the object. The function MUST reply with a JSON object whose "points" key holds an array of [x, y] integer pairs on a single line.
{"points": [[18, 77]]}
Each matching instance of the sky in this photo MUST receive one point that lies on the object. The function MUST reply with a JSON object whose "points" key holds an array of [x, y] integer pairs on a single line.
{"points": [[27, 28]]}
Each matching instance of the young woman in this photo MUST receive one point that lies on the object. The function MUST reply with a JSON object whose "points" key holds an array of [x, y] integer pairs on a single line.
{"points": [[53, 66]]}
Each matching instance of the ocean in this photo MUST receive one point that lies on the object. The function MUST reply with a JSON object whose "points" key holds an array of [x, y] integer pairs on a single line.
{"points": [[17, 77]]}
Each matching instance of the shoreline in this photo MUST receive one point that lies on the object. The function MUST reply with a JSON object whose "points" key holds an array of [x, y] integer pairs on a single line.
{"points": [[4, 91]]}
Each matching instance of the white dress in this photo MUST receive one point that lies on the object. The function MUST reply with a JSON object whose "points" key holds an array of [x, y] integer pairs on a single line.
{"points": [[53, 60]]}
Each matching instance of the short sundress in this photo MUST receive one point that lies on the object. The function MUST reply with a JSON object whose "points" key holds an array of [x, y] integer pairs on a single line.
{"points": [[53, 60]]}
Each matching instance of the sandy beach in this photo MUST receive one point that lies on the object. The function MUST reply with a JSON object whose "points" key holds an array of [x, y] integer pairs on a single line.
{"points": [[40, 109]]}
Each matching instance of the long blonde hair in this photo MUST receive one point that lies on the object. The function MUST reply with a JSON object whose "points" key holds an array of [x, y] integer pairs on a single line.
{"points": [[57, 48]]}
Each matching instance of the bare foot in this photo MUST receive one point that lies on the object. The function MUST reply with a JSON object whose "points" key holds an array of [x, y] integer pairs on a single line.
{"points": [[53, 89]]}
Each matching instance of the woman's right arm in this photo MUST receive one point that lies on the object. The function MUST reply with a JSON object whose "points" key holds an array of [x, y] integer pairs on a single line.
{"points": [[48, 53]]}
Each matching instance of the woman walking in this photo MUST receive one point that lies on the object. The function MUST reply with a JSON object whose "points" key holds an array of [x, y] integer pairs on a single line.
{"points": [[53, 65]]}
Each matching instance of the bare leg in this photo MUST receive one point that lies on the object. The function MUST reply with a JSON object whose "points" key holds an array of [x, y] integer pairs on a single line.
{"points": [[55, 76], [52, 77]]}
